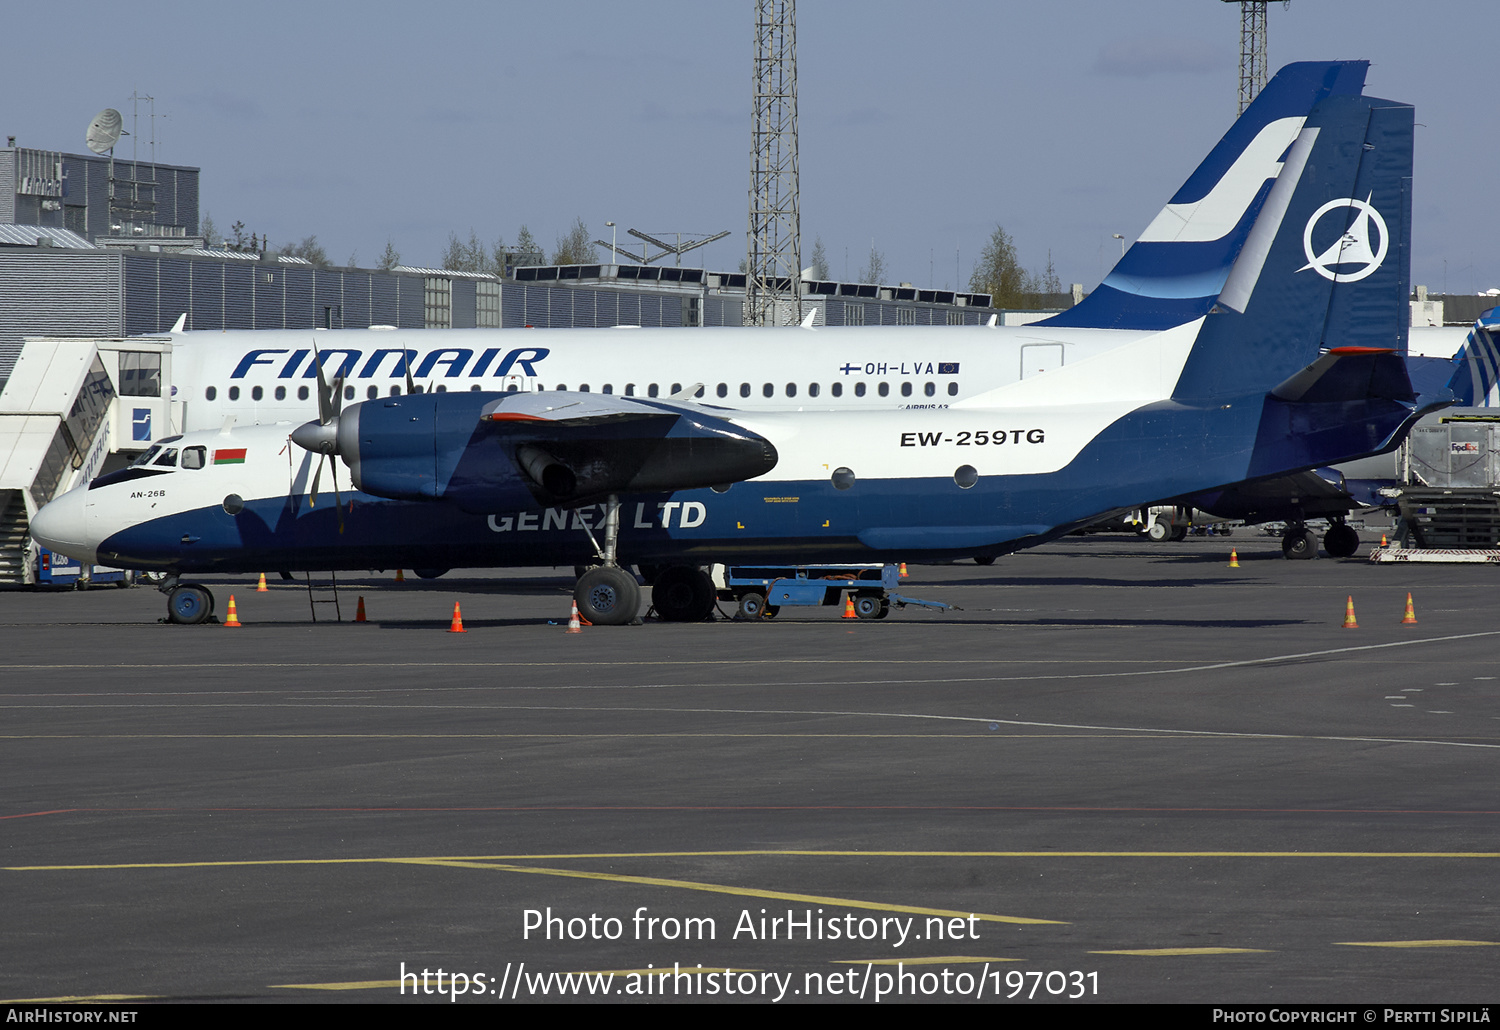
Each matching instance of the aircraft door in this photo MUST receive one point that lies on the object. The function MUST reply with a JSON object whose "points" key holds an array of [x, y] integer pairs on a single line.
{"points": [[1037, 358]]}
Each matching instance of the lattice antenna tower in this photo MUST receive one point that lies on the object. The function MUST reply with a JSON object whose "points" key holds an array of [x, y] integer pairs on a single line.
{"points": [[1253, 65], [774, 261]]}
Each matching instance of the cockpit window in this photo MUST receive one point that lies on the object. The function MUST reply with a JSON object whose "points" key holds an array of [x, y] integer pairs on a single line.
{"points": [[151, 452], [168, 458], [194, 457]]}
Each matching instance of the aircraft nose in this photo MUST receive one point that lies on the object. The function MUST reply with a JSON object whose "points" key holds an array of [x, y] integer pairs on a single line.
{"points": [[61, 526]]}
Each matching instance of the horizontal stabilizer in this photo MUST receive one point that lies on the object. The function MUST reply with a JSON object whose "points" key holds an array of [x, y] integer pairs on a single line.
{"points": [[1349, 374]]}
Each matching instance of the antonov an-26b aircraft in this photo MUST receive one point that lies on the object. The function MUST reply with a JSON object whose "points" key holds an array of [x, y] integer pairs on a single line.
{"points": [[1294, 364]]}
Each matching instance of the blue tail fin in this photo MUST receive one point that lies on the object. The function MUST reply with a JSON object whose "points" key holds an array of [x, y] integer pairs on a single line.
{"points": [[1175, 270], [1326, 266], [1476, 367]]}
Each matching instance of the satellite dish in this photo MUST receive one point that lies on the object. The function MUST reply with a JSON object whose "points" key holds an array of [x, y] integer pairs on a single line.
{"points": [[104, 130]]}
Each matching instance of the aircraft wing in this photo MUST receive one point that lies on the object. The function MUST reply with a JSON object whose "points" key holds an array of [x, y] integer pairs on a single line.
{"points": [[521, 450]]}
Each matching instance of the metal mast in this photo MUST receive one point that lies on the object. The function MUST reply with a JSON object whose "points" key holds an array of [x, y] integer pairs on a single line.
{"points": [[1252, 49], [773, 265]]}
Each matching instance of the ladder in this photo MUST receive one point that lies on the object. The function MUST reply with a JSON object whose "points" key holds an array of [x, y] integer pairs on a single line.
{"points": [[331, 587]]}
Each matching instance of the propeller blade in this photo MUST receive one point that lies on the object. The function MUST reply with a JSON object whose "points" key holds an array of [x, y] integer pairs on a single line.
{"points": [[410, 386], [317, 478]]}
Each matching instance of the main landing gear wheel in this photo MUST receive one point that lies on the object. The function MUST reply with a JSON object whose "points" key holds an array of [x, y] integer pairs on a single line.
{"points": [[189, 604], [1179, 533], [607, 596], [1340, 541], [871, 606], [984, 559], [682, 594], [430, 573], [1159, 531], [1299, 543]]}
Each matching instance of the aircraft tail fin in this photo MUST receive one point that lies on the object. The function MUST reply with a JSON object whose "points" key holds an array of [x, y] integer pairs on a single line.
{"points": [[1176, 268], [1325, 268], [1476, 367]]}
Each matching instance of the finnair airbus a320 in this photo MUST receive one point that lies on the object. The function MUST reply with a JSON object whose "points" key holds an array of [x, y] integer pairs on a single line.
{"points": [[1296, 365]]}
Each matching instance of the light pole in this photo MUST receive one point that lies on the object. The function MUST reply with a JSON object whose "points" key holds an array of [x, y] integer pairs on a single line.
{"points": [[614, 255], [1121, 238]]}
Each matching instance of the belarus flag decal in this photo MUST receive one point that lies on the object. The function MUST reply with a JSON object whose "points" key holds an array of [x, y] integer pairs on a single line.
{"points": [[230, 456]]}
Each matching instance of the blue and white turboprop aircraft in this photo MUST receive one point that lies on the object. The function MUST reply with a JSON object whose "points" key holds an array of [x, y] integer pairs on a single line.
{"points": [[1297, 366]]}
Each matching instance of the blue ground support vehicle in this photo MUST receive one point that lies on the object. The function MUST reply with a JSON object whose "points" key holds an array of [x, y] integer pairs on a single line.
{"points": [[759, 591], [58, 570]]}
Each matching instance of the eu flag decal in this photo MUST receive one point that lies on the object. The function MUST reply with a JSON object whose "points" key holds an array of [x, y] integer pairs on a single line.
{"points": [[947, 368]]}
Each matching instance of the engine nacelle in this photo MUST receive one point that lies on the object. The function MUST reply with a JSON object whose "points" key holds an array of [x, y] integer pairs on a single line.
{"points": [[490, 453]]}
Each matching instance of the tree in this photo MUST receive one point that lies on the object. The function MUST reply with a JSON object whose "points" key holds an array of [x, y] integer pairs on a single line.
{"points": [[309, 249], [576, 247], [874, 270], [210, 232], [1000, 274], [466, 257], [819, 260], [390, 259], [239, 242], [528, 250]]}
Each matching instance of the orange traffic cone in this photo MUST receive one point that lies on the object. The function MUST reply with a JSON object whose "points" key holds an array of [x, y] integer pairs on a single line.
{"points": [[1382, 541], [457, 625], [261, 589], [903, 570], [1410, 619], [1349, 622], [573, 626], [1234, 558], [359, 614], [849, 607], [400, 576], [233, 618]]}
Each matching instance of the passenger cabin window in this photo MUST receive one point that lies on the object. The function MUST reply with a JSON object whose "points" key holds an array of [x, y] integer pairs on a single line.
{"points": [[609, 388], [838, 389], [281, 393], [630, 389], [234, 393], [256, 393], [723, 390], [930, 389], [791, 389], [370, 394], [210, 393], [651, 390], [348, 393], [885, 389], [744, 389], [812, 389], [194, 457], [302, 393], [859, 389], [906, 389], [952, 389], [768, 390]]}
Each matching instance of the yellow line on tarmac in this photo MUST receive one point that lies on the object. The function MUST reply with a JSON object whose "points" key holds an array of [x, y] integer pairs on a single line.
{"points": [[68, 999], [743, 892], [1419, 944], [751, 853], [936, 960], [352, 985], [1155, 952]]}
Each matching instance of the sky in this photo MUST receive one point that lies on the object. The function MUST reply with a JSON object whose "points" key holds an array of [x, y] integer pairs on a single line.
{"points": [[922, 126]]}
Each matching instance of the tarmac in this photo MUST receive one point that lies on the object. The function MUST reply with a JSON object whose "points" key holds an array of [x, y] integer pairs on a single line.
{"points": [[1122, 772]]}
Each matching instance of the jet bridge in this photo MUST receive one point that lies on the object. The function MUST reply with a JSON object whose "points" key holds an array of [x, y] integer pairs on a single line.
{"points": [[60, 418]]}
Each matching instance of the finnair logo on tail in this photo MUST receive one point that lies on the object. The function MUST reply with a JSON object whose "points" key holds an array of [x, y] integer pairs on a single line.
{"points": [[1351, 248]]}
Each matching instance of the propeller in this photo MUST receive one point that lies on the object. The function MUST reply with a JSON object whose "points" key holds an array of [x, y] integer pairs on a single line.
{"points": [[321, 437]]}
